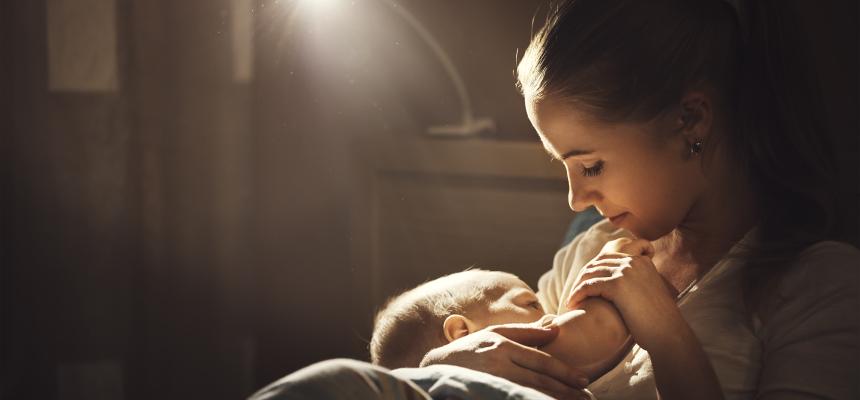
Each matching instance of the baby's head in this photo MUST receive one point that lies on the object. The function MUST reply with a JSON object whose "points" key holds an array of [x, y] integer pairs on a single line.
{"points": [[447, 308]]}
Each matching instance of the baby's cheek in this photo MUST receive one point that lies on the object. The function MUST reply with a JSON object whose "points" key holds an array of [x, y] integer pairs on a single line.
{"points": [[511, 315], [527, 316]]}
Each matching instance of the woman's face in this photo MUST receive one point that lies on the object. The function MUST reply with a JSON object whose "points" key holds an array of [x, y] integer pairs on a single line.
{"points": [[635, 174]]}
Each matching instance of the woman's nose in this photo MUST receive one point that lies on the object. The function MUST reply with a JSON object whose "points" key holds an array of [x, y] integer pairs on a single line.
{"points": [[579, 197], [575, 201]]}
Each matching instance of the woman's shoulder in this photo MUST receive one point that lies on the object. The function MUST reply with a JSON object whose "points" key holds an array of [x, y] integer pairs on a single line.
{"points": [[830, 249], [809, 332], [825, 261], [824, 275]]}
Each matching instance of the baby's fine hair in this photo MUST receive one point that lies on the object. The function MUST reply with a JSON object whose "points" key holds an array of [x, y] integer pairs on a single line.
{"points": [[410, 324]]}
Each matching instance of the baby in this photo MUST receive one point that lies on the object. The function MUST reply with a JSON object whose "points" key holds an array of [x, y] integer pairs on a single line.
{"points": [[455, 305]]}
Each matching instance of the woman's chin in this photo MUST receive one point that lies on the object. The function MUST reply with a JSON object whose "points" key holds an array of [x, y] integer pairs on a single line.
{"points": [[628, 223], [625, 221], [647, 234]]}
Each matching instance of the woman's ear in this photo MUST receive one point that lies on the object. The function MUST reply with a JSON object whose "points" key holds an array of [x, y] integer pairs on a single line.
{"points": [[455, 327], [696, 115]]}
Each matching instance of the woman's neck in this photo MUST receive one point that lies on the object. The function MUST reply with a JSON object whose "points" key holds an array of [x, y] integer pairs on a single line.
{"points": [[718, 220]]}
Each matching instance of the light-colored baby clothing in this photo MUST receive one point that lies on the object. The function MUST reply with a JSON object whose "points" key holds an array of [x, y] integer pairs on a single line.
{"points": [[805, 341]]}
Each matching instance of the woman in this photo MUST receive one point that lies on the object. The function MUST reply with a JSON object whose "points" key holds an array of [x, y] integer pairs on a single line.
{"points": [[689, 123]]}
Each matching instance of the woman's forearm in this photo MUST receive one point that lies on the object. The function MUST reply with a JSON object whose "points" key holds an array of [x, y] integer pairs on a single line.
{"points": [[682, 369]]}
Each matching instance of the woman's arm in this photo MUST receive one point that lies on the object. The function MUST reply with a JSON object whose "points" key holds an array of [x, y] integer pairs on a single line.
{"points": [[633, 285], [593, 337], [682, 370], [507, 351], [811, 328]]}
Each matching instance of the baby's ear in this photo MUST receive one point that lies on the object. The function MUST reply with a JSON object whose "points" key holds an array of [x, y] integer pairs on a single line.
{"points": [[455, 327]]}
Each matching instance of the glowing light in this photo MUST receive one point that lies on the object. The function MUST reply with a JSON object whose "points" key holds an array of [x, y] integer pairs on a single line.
{"points": [[327, 14], [320, 6]]}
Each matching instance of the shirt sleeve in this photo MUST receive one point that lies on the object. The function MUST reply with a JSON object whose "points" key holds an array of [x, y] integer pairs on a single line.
{"points": [[555, 283], [810, 330], [551, 283]]}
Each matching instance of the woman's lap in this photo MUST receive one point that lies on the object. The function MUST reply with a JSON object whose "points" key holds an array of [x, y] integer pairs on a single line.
{"points": [[351, 379], [340, 379]]}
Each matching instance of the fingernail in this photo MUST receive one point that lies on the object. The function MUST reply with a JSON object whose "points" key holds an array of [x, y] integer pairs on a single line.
{"points": [[583, 382]]}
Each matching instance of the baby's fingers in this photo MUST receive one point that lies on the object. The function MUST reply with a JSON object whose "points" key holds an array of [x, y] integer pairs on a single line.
{"points": [[526, 334]]}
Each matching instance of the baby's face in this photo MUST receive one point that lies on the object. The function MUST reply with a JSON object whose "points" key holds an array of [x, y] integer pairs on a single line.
{"points": [[511, 302]]}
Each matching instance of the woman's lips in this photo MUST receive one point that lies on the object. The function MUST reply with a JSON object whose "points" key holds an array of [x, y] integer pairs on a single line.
{"points": [[616, 219]]}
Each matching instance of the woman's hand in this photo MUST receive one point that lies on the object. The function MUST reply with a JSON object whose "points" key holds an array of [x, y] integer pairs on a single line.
{"points": [[624, 274], [504, 351]]}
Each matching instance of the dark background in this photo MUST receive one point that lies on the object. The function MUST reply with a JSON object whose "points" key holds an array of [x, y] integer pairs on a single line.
{"points": [[191, 235]]}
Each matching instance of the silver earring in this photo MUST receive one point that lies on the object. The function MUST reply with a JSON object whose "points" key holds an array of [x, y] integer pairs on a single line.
{"points": [[696, 147]]}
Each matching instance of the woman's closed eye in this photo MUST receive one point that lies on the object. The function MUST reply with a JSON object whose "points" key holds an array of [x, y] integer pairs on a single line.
{"points": [[536, 305], [593, 170]]}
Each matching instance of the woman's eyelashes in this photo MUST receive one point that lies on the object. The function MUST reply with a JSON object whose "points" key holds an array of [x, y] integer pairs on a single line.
{"points": [[593, 170]]}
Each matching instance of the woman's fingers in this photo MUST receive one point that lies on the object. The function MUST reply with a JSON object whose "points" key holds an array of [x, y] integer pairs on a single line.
{"points": [[598, 272], [574, 394], [526, 334], [593, 287], [543, 383], [609, 262], [606, 257], [546, 320], [636, 247], [489, 350], [548, 370], [546, 385]]}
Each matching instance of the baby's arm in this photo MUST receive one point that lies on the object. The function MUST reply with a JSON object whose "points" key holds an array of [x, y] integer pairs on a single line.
{"points": [[592, 338]]}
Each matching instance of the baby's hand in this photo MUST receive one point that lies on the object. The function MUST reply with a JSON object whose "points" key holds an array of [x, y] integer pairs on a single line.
{"points": [[637, 247]]}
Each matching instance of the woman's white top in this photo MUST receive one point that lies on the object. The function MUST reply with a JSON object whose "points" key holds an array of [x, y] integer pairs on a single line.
{"points": [[804, 342]]}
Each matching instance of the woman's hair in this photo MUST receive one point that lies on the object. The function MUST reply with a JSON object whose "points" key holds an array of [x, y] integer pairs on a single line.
{"points": [[633, 60]]}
